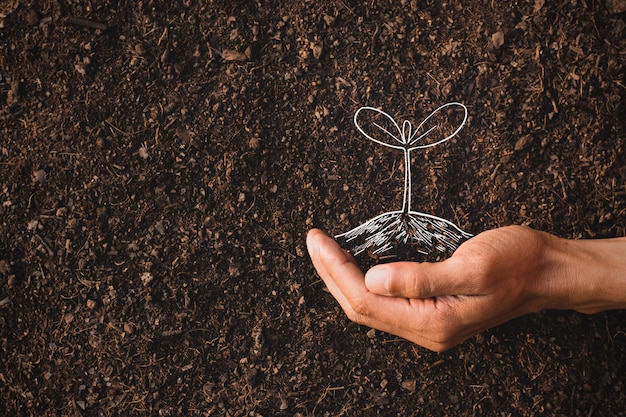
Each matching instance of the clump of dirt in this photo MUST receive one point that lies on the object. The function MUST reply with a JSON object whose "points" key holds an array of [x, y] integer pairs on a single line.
{"points": [[161, 163]]}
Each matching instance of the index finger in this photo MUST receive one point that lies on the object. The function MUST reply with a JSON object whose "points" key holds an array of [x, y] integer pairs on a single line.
{"points": [[346, 282], [334, 266]]}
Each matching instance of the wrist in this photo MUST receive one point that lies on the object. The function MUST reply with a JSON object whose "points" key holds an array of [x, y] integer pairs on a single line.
{"points": [[588, 276]]}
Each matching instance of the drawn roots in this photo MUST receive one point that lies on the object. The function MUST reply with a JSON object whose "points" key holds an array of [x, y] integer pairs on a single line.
{"points": [[384, 232]]}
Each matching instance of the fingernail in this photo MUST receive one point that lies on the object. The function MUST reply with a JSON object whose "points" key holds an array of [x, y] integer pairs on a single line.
{"points": [[377, 280], [311, 245]]}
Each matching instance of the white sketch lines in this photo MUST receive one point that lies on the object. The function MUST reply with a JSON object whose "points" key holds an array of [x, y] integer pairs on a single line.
{"points": [[433, 234]]}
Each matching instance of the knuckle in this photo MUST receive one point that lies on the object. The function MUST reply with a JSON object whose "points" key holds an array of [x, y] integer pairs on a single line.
{"points": [[360, 307], [418, 284], [441, 347], [421, 287], [441, 337], [359, 311], [409, 281], [444, 336], [353, 317], [480, 268]]}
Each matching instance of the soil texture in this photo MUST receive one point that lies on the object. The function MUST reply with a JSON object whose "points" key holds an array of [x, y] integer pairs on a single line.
{"points": [[162, 161]]}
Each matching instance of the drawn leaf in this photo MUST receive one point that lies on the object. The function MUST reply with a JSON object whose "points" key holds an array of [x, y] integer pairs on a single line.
{"points": [[378, 126], [440, 126]]}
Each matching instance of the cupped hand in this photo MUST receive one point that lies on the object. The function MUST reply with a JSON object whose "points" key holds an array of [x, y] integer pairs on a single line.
{"points": [[494, 277]]}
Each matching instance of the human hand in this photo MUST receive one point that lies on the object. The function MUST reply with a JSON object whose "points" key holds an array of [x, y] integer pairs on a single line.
{"points": [[492, 278]]}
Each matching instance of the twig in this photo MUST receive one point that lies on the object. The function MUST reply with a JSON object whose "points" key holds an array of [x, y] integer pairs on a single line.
{"points": [[87, 23]]}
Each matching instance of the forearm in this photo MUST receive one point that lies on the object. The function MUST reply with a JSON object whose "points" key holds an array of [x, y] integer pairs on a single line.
{"points": [[588, 275]]}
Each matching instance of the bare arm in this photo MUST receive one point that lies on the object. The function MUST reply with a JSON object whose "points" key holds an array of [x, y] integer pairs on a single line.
{"points": [[492, 278]]}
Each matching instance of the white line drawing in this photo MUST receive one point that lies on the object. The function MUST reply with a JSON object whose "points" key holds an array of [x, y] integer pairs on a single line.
{"points": [[383, 232]]}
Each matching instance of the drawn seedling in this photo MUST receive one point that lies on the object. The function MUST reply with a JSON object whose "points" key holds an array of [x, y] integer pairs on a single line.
{"points": [[431, 234]]}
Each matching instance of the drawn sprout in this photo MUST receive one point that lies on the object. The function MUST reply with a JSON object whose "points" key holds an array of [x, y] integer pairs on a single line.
{"points": [[432, 234]]}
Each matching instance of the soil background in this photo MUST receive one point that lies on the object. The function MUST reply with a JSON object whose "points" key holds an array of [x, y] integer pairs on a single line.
{"points": [[162, 161]]}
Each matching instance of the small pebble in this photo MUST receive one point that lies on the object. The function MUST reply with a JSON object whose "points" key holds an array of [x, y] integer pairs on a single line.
{"points": [[32, 18], [317, 50], [146, 278], [497, 39], [140, 49], [40, 176], [254, 143]]}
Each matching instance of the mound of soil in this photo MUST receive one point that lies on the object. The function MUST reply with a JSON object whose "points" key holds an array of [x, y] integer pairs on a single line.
{"points": [[162, 161]]}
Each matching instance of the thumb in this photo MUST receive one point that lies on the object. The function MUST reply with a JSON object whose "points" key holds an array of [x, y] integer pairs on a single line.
{"points": [[420, 280]]}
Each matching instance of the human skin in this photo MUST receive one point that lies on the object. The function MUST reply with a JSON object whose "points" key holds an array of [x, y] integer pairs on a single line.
{"points": [[494, 277]]}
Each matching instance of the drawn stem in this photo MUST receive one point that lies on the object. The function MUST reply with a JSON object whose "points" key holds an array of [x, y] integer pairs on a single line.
{"points": [[406, 200]]}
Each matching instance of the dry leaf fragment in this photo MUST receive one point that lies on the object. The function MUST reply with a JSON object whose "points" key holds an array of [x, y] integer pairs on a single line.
{"points": [[523, 142], [231, 55]]}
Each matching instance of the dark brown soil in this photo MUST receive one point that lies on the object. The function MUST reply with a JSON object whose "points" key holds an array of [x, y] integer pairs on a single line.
{"points": [[162, 161]]}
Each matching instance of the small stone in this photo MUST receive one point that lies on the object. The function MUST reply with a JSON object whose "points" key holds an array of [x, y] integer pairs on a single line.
{"points": [[409, 385], [230, 55], [40, 176], [4, 267], [140, 49], [13, 95], [249, 52], [32, 18], [160, 228], [317, 50], [146, 278], [80, 68], [497, 39], [32, 225], [254, 142]]}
